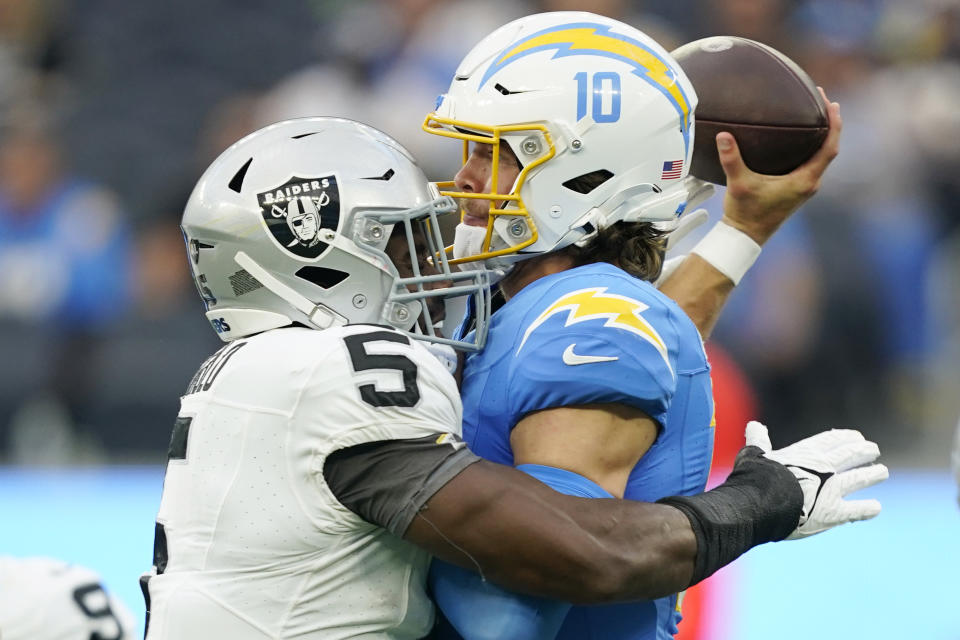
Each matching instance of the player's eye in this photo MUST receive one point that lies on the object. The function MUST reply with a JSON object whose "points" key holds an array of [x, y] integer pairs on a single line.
{"points": [[508, 157], [482, 150]]}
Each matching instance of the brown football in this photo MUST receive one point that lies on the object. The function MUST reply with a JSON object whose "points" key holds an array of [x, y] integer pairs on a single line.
{"points": [[759, 95]]}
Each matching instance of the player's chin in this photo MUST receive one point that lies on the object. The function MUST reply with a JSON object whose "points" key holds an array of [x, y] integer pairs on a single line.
{"points": [[474, 221], [473, 215], [438, 311]]}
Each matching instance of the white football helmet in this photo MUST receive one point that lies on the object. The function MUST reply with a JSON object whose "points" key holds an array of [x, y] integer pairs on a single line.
{"points": [[291, 224], [573, 94], [48, 599]]}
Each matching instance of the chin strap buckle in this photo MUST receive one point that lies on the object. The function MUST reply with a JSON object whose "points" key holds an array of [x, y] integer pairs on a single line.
{"points": [[321, 316]]}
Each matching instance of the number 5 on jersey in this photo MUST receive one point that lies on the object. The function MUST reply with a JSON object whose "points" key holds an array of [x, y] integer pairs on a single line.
{"points": [[364, 361]]}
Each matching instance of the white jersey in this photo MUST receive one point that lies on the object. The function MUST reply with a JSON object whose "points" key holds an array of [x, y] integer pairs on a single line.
{"points": [[257, 546], [47, 599]]}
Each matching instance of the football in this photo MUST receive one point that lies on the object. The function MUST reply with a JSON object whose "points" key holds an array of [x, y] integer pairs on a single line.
{"points": [[763, 98]]}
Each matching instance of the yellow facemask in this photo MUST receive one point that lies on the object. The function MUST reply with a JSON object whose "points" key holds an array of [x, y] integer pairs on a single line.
{"points": [[499, 202]]}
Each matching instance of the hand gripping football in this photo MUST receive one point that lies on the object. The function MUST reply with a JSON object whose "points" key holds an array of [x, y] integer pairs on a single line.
{"points": [[763, 98]]}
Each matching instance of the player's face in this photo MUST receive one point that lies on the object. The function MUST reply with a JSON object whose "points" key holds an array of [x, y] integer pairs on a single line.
{"points": [[398, 251], [476, 176]]}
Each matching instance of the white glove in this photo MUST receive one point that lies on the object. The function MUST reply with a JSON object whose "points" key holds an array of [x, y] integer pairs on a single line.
{"points": [[828, 466]]}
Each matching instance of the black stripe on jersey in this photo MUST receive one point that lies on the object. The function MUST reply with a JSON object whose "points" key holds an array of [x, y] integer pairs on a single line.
{"points": [[160, 548], [145, 590], [178, 439]]}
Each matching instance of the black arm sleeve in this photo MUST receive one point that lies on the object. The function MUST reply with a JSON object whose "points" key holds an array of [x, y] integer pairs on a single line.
{"points": [[387, 482], [760, 501]]}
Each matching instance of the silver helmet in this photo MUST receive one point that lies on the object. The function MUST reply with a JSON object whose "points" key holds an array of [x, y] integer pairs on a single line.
{"points": [[291, 225]]}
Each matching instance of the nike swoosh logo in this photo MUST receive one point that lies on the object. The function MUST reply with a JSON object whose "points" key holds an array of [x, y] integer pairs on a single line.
{"points": [[572, 359], [822, 476]]}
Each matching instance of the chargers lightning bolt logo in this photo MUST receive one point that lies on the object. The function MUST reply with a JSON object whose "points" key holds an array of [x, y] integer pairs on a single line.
{"points": [[620, 312], [585, 38]]}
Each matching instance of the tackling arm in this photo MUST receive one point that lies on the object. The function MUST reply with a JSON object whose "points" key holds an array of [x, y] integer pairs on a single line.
{"points": [[585, 451], [511, 528], [519, 533]]}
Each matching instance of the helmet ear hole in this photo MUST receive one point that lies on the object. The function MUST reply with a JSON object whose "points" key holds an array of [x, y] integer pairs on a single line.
{"points": [[193, 248], [587, 182], [323, 277]]}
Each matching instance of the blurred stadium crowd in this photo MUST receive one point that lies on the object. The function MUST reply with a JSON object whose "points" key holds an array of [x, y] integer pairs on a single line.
{"points": [[109, 110]]}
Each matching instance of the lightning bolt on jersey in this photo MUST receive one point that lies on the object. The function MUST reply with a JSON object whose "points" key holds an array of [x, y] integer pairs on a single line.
{"points": [[251, 544], [589, 335]]}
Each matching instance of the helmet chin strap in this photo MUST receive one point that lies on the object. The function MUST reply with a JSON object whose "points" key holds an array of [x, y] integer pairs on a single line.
{"points": [[321, 316], [468, 241]]}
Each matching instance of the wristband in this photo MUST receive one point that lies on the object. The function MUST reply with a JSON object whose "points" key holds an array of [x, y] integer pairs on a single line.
{"points": [[729, 250], [760, 502]]}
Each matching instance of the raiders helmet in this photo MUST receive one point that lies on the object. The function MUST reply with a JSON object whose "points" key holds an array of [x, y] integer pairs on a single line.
{"points": [[291, 224]]}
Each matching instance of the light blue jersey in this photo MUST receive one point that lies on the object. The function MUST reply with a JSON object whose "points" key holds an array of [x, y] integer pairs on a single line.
{"points": [[592, 335]]}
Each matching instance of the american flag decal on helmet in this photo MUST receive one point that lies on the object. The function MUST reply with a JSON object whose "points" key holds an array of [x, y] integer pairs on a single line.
{"points": [[671, 169]]}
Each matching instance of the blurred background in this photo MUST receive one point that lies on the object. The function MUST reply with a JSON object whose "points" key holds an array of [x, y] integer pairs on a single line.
{"points": [[110, 110]]}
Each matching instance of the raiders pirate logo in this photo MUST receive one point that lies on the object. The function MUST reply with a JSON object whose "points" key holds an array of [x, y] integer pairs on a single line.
{"points": [[297, 211]]}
